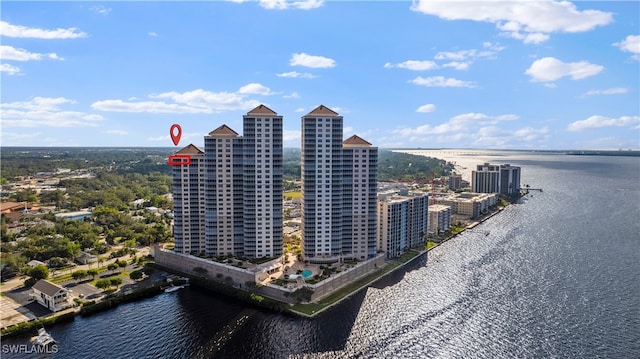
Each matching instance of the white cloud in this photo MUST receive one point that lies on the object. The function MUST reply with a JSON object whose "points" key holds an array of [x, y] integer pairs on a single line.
{"points": [[102, 10], [457, 124], [20, 136], [18, 139], [146, 106], [458, 65], [530, 133], [291, 135], [285, 4], [9, 30], [490, 52], [550, 69], [312, 61], [293, 95], [152, 34], [492, 136], [39, 104], [9, 69], [116, 132], [255, 89], [494, 47], [426, 108], [440, 81], [185, 137], [300, 109], [463, 59], [12, 53], [414, 65], [530, 21], [472, 129], [481, 119], [630, 44], [295, 74], [611, 91], [196, 101], [601, 121], [456, 56], [45, 111]]}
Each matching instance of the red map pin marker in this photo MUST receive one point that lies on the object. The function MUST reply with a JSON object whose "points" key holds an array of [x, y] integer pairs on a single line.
{"points": [[176, 133]]}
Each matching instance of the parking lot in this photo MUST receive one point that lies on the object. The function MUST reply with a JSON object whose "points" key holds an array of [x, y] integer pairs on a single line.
{"points": [[13, 312]]}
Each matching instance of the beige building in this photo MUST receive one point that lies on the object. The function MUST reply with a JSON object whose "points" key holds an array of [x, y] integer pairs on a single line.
{"points": [[469, 204], [439, 218]]}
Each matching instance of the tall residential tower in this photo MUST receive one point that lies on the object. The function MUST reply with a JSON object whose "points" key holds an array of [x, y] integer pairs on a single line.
{"points": [[188, 201], [338, 190], [360, 171], [239, 203], [262, 183]]}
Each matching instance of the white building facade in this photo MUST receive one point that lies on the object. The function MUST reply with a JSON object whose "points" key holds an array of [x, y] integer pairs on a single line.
{"points": [[228, 200], [51, 295], [439, 218], [322, 185], [338, 190], [188, 201], [360, 171], [403, 220]]}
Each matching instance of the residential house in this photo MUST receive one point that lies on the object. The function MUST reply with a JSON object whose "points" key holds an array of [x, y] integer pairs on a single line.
{"points": [[51, 295]]}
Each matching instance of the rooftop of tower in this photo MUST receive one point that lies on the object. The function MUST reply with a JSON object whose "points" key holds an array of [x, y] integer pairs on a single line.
{"points": [[322, 110], [191, 149], [223, 130], [356, 141], [262, 110]]}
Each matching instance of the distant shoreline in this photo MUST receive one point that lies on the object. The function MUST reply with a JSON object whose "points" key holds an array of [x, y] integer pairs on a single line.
{"points": [[620, 152]]}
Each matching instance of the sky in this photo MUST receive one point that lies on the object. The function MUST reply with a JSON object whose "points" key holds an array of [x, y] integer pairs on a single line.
{"points": [[537, 75]]}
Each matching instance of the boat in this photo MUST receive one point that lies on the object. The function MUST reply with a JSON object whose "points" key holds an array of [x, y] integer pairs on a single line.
{"points": [[43, 338], [173, 288]]}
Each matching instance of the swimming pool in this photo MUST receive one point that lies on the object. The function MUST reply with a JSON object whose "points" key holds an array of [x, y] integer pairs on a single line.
{"points": [[306, 273]]}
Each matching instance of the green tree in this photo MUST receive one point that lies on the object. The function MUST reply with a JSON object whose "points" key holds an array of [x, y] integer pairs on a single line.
{"points": [[79, 274], [13, 264], [112, 267], [56, 198], [115, 281], [57, 262], [93, 273], [303, 293], [38, 272], [103, 283], [135, 275], [27, 195]]}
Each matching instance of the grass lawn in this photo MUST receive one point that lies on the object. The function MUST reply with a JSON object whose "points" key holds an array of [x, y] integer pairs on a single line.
{"points": [[409, 255], [431, 245], [312, 308], [292, 194]]}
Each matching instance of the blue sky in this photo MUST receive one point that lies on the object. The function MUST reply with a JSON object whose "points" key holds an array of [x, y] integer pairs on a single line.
{"points": [[431, 74]]}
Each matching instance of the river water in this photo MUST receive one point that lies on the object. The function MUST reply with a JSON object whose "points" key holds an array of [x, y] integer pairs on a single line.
{"points": [[558, 276]]}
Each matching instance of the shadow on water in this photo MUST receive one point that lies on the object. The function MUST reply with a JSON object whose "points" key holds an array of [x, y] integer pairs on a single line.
{"points": [[398, 275], [266, 335]]}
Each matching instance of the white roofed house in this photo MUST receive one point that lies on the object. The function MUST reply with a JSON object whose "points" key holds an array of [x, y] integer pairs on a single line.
{"points": [[51, 295]]}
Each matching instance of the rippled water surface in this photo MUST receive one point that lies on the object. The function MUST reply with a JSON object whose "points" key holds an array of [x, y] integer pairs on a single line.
{"points": [[556, 277]]}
